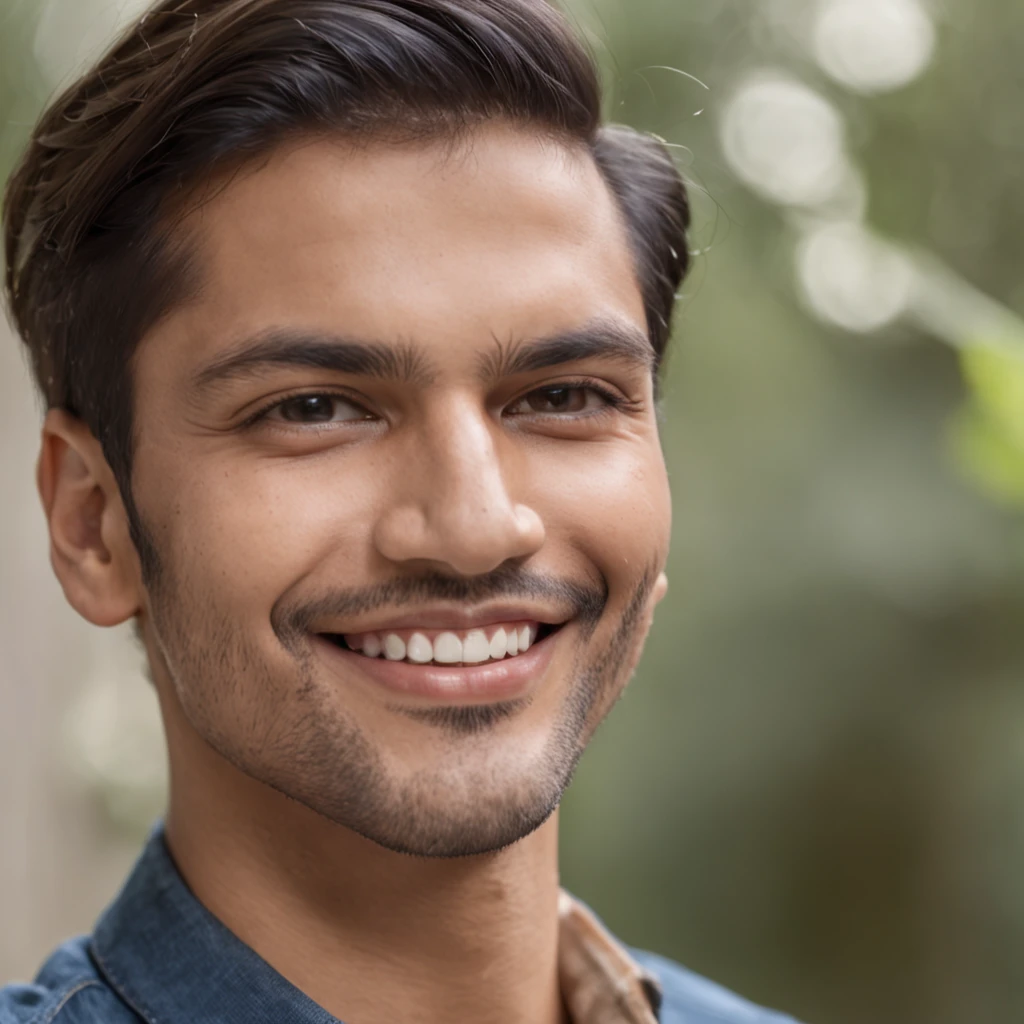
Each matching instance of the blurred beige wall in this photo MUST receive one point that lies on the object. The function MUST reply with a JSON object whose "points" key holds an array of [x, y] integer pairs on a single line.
{"points": [[81, 759], [61, 859]]}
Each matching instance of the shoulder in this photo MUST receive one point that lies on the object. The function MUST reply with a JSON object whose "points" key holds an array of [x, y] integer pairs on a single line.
{"points": [[67, 990], [687, 998]]}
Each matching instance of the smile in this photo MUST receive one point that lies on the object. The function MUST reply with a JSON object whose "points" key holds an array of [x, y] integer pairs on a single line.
{"points": [[501, 661], [446, 647]]}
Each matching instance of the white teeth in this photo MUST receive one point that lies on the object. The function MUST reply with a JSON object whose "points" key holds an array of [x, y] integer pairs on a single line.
{"points": [[499, 643], [419, 649], [476, 647], [394, 647], [447, 649]]}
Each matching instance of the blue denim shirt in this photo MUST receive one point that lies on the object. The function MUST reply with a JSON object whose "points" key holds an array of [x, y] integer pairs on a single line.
{"points": [[158, 956]]}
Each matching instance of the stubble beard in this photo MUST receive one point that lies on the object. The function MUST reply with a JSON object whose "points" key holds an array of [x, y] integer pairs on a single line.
{"points": [[331, 765]]}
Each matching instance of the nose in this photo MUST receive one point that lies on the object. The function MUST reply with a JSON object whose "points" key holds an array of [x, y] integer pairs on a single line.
{"points": [[452, 502]]}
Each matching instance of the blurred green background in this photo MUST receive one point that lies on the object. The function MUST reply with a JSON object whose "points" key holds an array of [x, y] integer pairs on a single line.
{"points": [[814, 789]]}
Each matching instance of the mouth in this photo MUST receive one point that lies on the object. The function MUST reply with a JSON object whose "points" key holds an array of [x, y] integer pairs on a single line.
{"points": [[449, 647], [498, 662]]}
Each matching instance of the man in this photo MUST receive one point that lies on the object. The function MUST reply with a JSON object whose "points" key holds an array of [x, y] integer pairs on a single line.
{"points": [[348, 316]]}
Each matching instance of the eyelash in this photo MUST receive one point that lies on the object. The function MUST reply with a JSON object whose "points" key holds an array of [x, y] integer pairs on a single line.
{"points": [[265, 411], [614, 401]]}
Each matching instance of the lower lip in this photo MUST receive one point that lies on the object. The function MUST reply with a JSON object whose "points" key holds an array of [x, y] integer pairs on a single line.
{"points": [[508, 679]]}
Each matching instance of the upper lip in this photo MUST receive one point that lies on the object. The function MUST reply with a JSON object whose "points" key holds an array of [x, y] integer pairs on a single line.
{"points": [[452, 618]]}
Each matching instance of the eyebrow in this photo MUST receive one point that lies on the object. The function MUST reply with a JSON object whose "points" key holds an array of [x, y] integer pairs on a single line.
{"points": [[404, 362], [401, 362], [605, 339]]}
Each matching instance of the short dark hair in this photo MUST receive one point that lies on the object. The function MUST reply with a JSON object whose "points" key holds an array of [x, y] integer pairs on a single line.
{"points": [[92, 262]]}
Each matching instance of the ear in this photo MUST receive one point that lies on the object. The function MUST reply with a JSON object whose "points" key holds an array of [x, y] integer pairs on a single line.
{"points": [[90, 544], [660, 588]]}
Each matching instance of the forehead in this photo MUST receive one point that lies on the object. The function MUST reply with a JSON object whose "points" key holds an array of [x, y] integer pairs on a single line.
{"points": [[504, 233]]}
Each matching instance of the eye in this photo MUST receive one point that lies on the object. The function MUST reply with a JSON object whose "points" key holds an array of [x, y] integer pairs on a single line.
{"points": [[317, 409], [562, 399]]}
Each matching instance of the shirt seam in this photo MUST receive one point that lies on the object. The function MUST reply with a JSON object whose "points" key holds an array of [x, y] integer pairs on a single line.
{"points": [[121, 987], [52, 1012]]}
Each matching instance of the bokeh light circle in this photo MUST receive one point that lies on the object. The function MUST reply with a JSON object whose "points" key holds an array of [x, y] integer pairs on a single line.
{"points": [[873, 46], [785, 141], [851, 278]]}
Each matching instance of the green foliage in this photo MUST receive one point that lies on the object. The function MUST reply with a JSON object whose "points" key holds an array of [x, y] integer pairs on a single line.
{"points": [[988, 434]]}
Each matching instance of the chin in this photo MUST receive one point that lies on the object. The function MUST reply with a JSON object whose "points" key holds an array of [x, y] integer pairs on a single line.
{"points": [[444, 832], [467, 803]]}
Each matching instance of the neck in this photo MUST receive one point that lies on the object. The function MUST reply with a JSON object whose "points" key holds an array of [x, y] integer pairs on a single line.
{"points": [[368, 934]]}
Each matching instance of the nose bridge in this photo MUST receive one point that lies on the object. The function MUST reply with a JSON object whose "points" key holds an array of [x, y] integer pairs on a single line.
{"points": [[457, 506], [465, 486]]}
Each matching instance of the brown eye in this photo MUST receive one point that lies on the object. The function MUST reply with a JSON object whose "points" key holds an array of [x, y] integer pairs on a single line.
{"points": [[318, 409], [560, 399]]}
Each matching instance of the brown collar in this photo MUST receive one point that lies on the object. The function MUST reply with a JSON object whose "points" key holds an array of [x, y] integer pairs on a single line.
{"points": [[601, 983]]}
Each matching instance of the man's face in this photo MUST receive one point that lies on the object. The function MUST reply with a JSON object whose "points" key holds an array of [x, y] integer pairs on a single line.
{"points": [[406, 429]]}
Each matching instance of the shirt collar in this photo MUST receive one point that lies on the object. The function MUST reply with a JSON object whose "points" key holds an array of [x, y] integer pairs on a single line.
{"points": [[173, 962], [601, 983]]}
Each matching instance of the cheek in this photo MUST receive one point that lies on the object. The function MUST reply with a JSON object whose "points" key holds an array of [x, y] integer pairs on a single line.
{"points": [[613, 502], [247, 531]]}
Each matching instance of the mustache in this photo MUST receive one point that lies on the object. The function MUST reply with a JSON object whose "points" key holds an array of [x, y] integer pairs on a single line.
{"points": [[291, 619]]}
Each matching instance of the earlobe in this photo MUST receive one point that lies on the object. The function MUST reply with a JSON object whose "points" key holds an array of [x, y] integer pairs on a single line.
{"points": [[90, 544]]}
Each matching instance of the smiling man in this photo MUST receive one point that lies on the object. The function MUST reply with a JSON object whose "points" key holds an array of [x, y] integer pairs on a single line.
{"points": [[348, 316]]}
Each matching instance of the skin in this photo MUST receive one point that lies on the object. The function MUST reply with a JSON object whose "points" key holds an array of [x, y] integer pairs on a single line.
{"points": [[296, 779]]}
